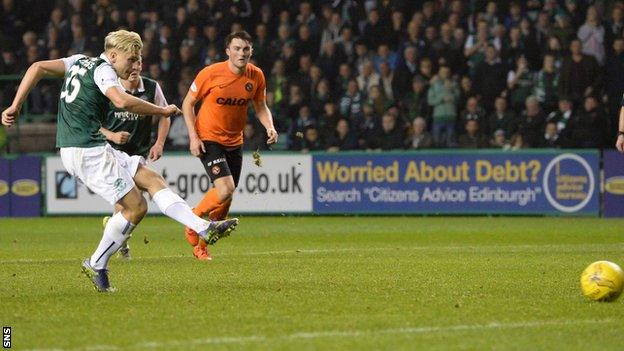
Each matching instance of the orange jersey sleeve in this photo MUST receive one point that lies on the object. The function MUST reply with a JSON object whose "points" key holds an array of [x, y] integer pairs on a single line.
{"points": [[225, 97]]}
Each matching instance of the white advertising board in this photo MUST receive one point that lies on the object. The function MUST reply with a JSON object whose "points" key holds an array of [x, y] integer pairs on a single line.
{"points": [[283, 184]]}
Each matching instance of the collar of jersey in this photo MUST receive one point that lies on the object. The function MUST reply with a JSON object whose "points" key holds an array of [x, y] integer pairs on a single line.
{"points": [[140, 88], [105, 58]]}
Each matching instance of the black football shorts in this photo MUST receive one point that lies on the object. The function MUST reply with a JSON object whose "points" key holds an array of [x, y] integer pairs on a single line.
{"points": [[221, 161]]}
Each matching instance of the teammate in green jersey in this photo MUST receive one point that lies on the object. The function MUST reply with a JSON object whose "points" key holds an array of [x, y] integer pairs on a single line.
{"points": [[132, 133], [90, 84]]}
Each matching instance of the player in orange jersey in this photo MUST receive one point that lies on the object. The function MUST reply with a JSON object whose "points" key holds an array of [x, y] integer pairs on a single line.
{"points": [[216, 132]]}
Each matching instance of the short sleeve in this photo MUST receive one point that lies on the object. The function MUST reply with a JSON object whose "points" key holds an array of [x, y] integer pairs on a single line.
{"points": [[105, 77], [261, 91], [69, 61], [159, 97], [199, 87]]}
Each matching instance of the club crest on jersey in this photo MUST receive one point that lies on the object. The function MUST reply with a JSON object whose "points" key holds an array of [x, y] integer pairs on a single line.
{"points": [[215, 170], [249, 86], [119, 185]]}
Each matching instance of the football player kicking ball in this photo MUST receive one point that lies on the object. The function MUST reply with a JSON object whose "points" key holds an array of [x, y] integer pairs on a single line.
{"points": [[90, 84], [132, 133], [216, 132]]}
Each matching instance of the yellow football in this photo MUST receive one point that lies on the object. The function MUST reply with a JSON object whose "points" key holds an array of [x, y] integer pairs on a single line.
{"points": [[602, 281]]}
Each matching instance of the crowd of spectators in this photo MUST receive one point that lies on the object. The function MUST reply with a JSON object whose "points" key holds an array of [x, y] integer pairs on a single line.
{"points": [[366, 74]]}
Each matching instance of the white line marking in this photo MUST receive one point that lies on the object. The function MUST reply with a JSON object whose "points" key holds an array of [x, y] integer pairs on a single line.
{"points": [[561, 248], [344, 334]]}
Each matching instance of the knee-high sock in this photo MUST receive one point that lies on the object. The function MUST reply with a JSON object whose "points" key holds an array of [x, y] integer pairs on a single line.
{"points": [[124, 245], [117, 231], [174, 207], [208, 203], [220, 212]]}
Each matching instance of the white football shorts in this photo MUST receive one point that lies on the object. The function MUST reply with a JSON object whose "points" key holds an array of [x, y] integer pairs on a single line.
{"points": [[104, 170]]}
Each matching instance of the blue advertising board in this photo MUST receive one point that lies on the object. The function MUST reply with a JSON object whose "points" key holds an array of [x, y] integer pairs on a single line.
{"points": [[486, 182], [613, 198], [25, 183], [5, 191]]}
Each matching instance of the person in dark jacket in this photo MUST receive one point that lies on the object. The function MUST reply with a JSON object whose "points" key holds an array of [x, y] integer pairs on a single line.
{"points": [[551, 137], [502, 118], [343, 138], [580, 74], [311, 140], [490, 77], [532, 122], [473, 138], [590, 126], [614, 81], [391, 136], [562, 118]]}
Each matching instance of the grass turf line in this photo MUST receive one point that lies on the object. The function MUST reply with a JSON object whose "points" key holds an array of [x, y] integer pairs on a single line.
{"points": [[315, 283]]}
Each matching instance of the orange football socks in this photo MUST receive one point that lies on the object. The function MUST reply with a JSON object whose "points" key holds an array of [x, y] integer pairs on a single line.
{"points": [[209, 202]]}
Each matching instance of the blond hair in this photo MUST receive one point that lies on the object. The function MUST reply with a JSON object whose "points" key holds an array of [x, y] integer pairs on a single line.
{"points": [[124, 41]]}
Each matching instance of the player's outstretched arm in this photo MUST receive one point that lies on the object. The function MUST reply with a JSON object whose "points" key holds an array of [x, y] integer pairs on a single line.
{"points": [[130, 103], [266, 118], [164, 124], [36, 71], [619, 144], [196, 146]]}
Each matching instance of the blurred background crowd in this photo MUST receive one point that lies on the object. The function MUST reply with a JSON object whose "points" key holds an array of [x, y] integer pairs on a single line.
{"points": [[365, 74]]}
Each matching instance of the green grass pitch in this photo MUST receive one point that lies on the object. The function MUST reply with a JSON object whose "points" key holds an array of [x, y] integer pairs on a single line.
{"points": [[315, 283]]}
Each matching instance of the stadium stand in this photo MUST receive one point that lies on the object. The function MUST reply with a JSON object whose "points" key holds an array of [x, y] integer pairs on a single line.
{"points": [[357, 74]]}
